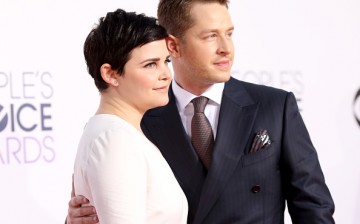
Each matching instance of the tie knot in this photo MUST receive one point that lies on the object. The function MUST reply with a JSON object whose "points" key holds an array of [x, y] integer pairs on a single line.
{"points": [[199, 104]]}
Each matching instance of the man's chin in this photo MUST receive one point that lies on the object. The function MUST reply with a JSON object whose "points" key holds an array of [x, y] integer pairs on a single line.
{"points": [[224, 77]]}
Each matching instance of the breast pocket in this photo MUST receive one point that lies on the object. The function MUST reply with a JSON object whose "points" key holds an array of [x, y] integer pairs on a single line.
{"points": [[258, 156]]}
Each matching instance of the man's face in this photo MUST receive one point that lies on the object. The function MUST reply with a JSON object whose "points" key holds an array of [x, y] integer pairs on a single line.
{"points": [[206, 50]]}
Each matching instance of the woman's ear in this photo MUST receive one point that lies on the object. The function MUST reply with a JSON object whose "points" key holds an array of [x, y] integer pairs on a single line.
{"points": [[172, 44], [108, 75]]}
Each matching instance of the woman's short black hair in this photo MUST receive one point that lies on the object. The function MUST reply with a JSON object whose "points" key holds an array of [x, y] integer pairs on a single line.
{"points": [[114, 38]]}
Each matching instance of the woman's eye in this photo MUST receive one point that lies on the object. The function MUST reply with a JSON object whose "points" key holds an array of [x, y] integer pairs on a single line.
{"points": [[167, 61], [150, 65]]}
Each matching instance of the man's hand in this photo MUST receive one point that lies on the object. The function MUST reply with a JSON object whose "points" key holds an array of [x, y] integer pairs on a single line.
{"points": [[78, 214]]}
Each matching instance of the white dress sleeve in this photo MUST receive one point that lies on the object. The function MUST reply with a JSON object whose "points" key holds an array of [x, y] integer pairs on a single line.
{"points": [[117, 175]]}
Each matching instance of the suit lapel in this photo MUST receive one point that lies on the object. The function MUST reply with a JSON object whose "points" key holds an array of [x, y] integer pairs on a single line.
{"points": [[237, 114], [164, 127]]}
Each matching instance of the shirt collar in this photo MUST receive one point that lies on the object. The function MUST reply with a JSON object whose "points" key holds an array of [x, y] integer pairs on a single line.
{"points": [[183, 97]]}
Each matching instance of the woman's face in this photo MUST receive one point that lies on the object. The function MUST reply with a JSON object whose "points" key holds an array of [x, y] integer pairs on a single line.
{"points": [[146, 78]]}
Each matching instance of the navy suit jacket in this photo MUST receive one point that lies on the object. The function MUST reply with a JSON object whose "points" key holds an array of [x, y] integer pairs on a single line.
{"points": [[243, 187]]}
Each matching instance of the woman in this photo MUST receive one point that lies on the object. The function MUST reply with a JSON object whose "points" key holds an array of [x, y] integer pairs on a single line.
{"points": [[117, 168]]}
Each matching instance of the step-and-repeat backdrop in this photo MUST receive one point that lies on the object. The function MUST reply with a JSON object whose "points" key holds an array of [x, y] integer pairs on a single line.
{"points": [[309, 47]]}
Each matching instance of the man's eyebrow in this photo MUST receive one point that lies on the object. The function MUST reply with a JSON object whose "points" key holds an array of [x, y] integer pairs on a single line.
{"points": [[216, 30]]}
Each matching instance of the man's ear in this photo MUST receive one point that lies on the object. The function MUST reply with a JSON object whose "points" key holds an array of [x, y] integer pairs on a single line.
{"points": [[108, 75], [172, 44]]}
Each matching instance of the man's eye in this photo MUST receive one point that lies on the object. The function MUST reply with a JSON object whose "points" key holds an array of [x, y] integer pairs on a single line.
{"points": [[212, 35], [229, 34]]}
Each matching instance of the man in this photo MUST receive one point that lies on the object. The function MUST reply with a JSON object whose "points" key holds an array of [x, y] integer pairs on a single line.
{"points": [[262, 155]]}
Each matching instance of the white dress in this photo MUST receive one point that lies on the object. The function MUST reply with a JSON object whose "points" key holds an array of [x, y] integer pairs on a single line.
{"points": [[125, 176]]}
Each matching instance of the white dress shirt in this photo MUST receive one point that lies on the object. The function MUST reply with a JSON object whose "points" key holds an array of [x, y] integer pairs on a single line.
{"points": [[186, 108]]}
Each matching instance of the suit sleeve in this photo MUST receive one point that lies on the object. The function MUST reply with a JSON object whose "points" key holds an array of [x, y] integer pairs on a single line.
{"points": [[309, 199], [116, 173]]}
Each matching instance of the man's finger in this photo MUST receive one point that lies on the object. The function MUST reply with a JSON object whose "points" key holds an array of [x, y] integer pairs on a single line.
{"points": [[81, 212], [89, 220], [73, 189], [77, 201], [83, 220]]}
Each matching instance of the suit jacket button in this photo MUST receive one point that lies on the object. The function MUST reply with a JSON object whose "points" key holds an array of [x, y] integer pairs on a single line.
{"points": [[256, 189]]}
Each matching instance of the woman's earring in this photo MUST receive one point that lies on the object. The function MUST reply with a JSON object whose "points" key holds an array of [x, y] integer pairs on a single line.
{"points": [[115, 82]]}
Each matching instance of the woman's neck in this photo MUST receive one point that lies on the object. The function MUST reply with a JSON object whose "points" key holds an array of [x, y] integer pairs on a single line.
{"points": [[115, 106]]}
